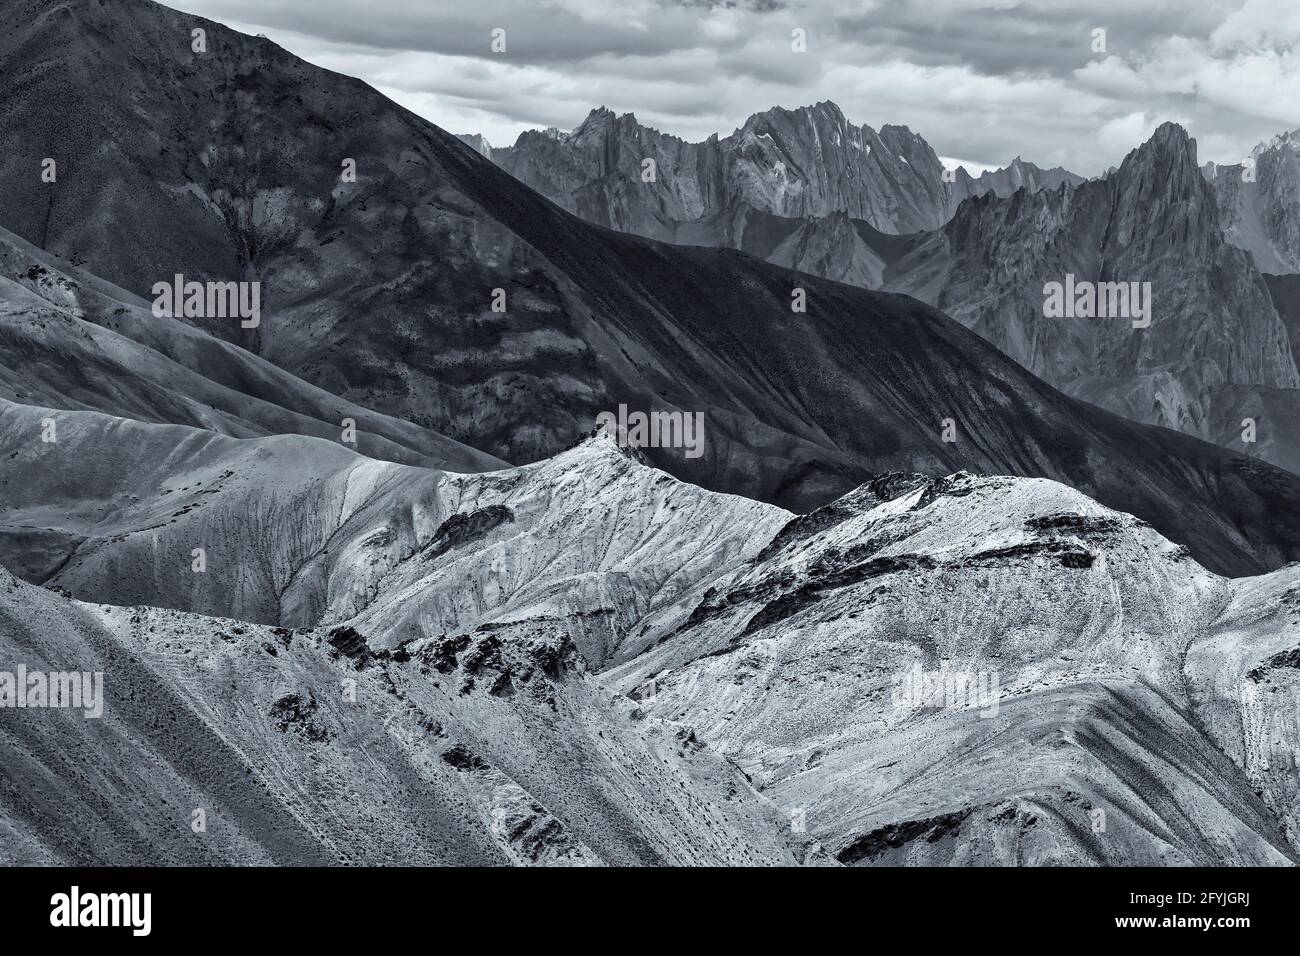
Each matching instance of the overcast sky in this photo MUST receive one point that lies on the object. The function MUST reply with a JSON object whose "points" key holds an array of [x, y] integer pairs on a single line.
{"points": [[982, 80]]}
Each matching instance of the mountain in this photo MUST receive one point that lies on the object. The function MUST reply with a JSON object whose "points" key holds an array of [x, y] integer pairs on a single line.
{"points": [[799, 164], [1260, 204], [338, 531], [228, 165], [73, 341], [1215, 351], [1285, 292], [477, 143], [586, 661], [1133, 689], [235, 743], [1015, 176], [841, 216]]}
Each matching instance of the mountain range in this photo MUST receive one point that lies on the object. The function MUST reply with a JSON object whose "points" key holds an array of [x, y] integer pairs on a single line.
{"points": [[1215, 352], [1260, 203], [381, 292], [585, 661], [795, 164], [373, 579], [808, 190]]}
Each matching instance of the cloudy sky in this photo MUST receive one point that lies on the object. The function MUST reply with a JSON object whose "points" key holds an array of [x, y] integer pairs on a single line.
{"points": [[981, 80]]}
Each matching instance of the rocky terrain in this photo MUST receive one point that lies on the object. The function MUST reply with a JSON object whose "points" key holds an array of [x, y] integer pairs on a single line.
{"points": [[798, 164], [367, 584], [807, 190], [381, 292], [1215, 352], [70, 340], [1260, 204], [585, 661]]}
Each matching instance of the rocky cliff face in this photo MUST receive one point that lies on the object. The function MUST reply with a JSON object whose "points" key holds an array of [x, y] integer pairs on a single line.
{"points": [[1214, 337], [799, 164], [846, 603], [1260, 203], [478, 143]]}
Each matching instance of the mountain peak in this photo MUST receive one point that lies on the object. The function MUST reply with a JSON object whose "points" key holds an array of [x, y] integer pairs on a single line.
{"points": [[1170, 150], [1171, 132], [1285, 140], [601, 115], [824, 110]]}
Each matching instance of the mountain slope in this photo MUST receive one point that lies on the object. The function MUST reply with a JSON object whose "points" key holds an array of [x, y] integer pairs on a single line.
{"points": [[300, 532], [1215, 348], [298, 753], [227, 165], [1260, 209], [745, 700], [1075, 620], [71, 340]]}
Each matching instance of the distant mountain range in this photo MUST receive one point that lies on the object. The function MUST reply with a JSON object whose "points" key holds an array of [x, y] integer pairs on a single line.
{"points": [[808, 190], [1260, 203], [794, 164], [1216, 351]]}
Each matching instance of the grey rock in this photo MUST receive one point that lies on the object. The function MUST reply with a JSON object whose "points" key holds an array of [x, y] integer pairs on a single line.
{"points": [[1215, 343], [805, 163], [379, 292], [741, 706]]}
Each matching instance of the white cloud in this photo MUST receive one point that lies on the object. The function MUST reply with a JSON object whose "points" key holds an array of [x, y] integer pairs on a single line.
{"points": [[984, 79]]}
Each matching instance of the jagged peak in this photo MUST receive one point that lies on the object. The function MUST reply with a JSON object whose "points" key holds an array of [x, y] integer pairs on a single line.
{"points": [[1171, 132], [477, 142], [825, 109], [1169, 146], [901, 130], [822, 107], [602, 442], [601, 115], [1288, 139]]}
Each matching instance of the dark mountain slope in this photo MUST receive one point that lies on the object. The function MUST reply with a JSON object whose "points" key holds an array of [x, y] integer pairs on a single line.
{"points": [[70, 340], [1284, 290], [226, 165]]}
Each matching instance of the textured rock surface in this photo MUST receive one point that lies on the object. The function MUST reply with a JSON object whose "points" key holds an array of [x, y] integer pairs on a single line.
{"points": [[70, 340], [1260, 205], [803, 163], [299, 532], [380, 292], [399, 763], [1083, 615], [1150, 220], [447, 699], [1215, 349]]}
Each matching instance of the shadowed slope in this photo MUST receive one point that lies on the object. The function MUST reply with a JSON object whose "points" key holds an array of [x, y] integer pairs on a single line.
{"points": [[227, 165]]}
